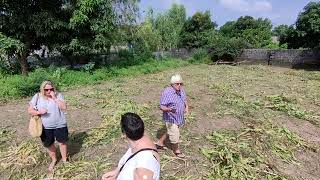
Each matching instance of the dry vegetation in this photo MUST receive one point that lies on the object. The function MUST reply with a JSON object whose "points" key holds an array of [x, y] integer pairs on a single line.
{"points": [[246, 122]]}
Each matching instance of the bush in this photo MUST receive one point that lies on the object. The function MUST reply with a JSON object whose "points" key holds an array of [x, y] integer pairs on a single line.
{"points": [[19, 86], [226, 49], [9, 68], [199, 54]]}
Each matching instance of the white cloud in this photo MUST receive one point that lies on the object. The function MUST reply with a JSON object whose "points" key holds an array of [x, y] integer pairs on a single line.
{"points": [[247, 5]]}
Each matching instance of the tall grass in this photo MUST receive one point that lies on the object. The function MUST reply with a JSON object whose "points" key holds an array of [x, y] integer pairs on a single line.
{"points": [[16, 86]]}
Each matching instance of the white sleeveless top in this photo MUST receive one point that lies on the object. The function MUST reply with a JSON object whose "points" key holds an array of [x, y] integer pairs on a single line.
{"points": [[143, 159]]}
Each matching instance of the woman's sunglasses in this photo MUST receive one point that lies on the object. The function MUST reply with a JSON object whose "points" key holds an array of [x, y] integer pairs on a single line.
{"points": [[51, 89]]}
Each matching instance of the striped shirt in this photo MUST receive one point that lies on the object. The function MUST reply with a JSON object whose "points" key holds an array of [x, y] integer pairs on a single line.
{"points": [[171, 98]]}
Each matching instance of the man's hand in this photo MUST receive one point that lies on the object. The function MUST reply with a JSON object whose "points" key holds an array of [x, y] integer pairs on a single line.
{"points": [[112, 175], [186, 110]]}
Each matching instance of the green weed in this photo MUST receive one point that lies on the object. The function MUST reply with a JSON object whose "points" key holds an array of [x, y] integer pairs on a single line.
{"points": [[283, 104]]}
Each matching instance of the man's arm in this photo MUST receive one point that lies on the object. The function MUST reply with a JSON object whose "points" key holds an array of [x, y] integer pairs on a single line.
{"points": [[186, 110], [111, 175], [164, 100], [165, 108], [143, 174]]}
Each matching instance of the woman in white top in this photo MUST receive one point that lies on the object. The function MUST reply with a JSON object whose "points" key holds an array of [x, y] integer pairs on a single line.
{"points": [[141, 161], [50, 106]]}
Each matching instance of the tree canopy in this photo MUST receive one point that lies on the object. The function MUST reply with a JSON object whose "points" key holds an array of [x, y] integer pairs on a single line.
{"points": [[308, 25], [256, 32], [32, 23], [196, 30], [72, 27]]}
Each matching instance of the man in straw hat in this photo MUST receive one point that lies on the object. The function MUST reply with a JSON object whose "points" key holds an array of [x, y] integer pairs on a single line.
{"points": [[173, 103]]}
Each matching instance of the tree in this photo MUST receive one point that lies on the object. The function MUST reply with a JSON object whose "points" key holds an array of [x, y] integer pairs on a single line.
{"points": [[97, 23], [31, 22], [225, 48], [257, 32], [74, 27], [292, 38], [308, 25], [228, 29], [169, 25], [280, 30], [196, 29], [147, 38]]}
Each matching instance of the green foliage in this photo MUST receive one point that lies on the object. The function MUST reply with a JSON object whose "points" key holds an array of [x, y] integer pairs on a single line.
{"points": [[280, 30], [197, 31], [306, 32], [256, 32], [291, 38], [308, 25], [200, 56], [281, 103], [8, 67], [147, 38], [18, 86], [257, 37], [226, 49], [169, 25], [32, 23], [9, 46], [71, 27]]}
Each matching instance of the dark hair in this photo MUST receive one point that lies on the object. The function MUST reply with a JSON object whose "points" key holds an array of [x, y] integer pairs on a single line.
{"points": [[132, 125]]}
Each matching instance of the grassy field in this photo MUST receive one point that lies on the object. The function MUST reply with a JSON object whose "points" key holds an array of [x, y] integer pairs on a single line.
{"points": [[246, 122], [18, 86]]}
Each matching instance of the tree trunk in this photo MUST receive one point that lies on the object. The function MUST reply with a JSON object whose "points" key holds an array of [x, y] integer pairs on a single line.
{"points": [[23, 62], [25, 54]]}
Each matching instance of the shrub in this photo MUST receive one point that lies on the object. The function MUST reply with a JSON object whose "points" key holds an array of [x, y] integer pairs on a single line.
{"points": [[19, 86], [9, 67], [226, 49], [200, 56]]}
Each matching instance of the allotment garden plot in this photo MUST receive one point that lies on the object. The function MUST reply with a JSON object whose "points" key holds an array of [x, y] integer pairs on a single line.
{"points": [[245, 122]]}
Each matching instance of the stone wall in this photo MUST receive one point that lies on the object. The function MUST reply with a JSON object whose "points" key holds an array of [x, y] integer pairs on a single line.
{"points": [[286, 57]]}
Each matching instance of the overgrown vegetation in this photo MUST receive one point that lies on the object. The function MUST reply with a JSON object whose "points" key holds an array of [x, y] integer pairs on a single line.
{"points": [[89, 27], [283, 104], [19, 86], [248, 154], [256, 144]]}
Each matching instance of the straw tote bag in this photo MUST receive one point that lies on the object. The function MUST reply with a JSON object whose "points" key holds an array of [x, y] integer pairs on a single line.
{"points": [[35, 124]]}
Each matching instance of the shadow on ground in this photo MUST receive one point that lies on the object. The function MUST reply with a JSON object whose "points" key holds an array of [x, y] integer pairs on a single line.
{"points": [[75, 142]]}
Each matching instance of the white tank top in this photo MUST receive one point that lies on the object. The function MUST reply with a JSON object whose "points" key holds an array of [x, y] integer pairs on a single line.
{"points": [[143, 159]]}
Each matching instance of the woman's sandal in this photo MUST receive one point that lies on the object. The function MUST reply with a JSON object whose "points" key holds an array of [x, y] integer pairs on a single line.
{"points": [[179, 154]]}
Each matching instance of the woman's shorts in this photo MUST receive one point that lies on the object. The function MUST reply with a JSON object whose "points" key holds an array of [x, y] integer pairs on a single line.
{"points": [[173, 132], [48, 136]]}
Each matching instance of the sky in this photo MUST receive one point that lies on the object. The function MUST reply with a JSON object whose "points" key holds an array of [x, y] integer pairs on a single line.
{"points": [[278, 11]]}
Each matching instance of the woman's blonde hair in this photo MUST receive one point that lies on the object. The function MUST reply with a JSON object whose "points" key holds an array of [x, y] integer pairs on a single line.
{"points": [[43, 84]]}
